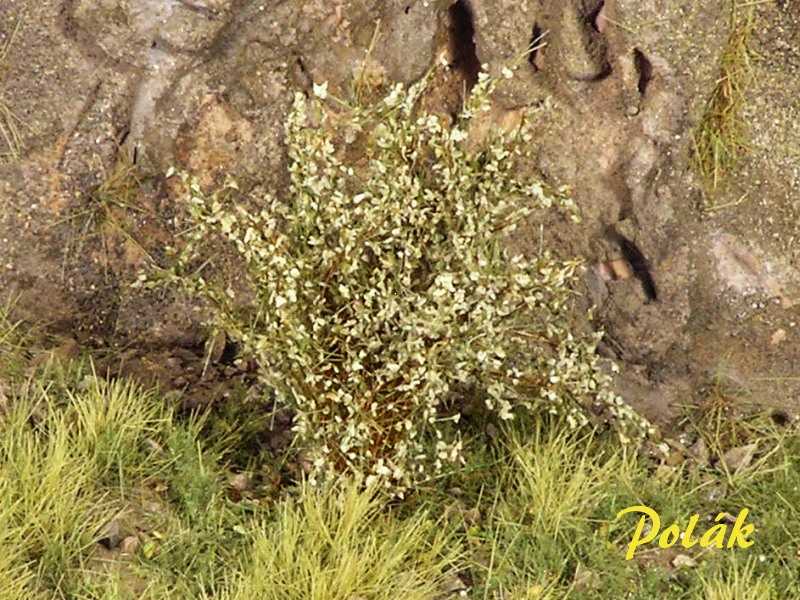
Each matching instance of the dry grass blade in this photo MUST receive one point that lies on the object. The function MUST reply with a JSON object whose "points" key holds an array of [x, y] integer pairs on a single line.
{"points": [[104, 214], [120, 186], [9, 133], [10, 137], [6, 47], [719, 140]]}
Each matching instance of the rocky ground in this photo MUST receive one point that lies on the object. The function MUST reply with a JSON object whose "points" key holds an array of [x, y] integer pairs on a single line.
{"points": [[688, 297]]}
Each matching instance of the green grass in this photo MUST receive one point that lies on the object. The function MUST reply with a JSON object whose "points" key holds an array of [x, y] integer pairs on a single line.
{"points": [[720, 139], [12, 348], [738, 582], [339, 546], [77, 452], [548, 531], [532, 515]]}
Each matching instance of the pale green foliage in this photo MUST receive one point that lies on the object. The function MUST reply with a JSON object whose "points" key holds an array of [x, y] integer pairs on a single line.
{"points": [[548, 493], [737, 582], [45, 497], [15, 576], [560, 478], [383, 287], [342, 545], [12, 342], [56, 447]]}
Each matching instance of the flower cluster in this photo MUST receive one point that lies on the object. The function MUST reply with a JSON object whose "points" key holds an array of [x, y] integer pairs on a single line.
{"points": [[382, 286]]}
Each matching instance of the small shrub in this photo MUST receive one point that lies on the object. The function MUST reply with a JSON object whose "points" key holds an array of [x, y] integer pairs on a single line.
{"points": [[381, 287]]}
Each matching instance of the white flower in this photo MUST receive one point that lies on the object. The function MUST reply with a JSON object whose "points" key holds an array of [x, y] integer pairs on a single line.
{"points": [[507, 73], [458, 135], [321, 90], [445, 280]]}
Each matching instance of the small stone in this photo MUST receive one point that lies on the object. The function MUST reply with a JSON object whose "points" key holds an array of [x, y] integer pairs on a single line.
{"points": [[739, 458], [153, 446], [3, 398], [111, 535], [585, 579], [215, 346], [665, 472], [453, 584], [472, 516], [240, 482], [699, 451], [621, 268], [778, 337], [715, 493], [454, 508], [675, 459], [68, 350], [614, 270], [683, 561], [130, 545]]}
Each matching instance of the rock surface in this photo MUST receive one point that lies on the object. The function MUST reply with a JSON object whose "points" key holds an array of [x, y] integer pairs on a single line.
{"points": [[205, 85]]}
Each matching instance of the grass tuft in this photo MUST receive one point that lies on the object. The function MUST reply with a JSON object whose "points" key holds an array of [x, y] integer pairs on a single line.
{"points": [[107, 211], [49, 502], [720, 137], [12, 349], [345, 545], [540, 527], [737, 582], [560, 478]]}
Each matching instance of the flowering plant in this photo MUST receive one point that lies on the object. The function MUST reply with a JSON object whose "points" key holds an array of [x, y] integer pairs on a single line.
{"points": [[383, 288]]}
